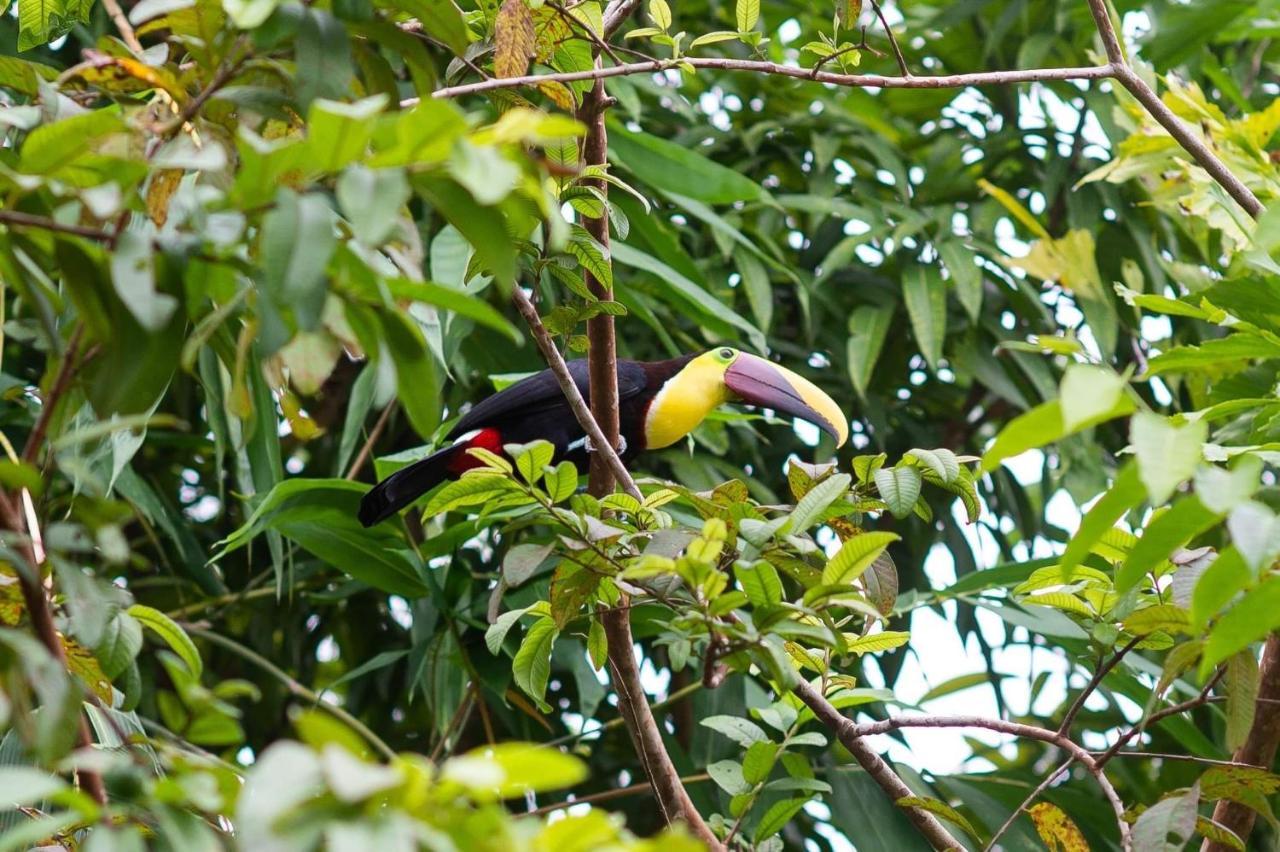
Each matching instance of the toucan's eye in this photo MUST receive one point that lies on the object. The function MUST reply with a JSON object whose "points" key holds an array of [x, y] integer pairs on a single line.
{"points": [[726, 354]]}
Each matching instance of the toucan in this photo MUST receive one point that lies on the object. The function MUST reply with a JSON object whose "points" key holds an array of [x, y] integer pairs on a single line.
{"points": [[659, 402]]}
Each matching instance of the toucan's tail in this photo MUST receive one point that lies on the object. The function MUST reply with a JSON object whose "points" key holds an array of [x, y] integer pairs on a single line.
{"points": [[408, 484]]}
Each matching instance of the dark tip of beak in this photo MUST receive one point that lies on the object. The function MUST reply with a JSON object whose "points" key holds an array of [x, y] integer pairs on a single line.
{"points": [[759, 383]]}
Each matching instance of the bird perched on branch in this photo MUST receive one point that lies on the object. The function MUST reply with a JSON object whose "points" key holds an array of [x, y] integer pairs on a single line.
{"points": [[659, 402]]}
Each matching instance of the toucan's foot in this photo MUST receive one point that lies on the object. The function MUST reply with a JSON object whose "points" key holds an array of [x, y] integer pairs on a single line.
{"points": [[590, 445]]}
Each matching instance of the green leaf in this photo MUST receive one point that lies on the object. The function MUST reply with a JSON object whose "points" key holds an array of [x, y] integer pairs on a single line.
{"points": [[758, 762], [320, 515], [812, 505], [417, 380], [1242, 696], [868, 328], [760, 581], [755, 283], [855, 556], [1222, 490], [956, 684], [742, 731], [471, 490], [885, 640], [966, 274], [939, 808], [1040, 426], [339, 133], [593, 256], [942, 462], [531, 667], [899, 487], [1161, 617], [296, 244], [515, 769], [172, 634], [746, 14], [1168, 825], [522, 561], [776, 818], [1123, 495], [26, 786], [1088, 393], [660, 12], [684, 294], [373, 201], [440, 18], [727, 774], [1184, 521], [713, 37], [1255, 531], [562, 482], [1256, 615], [677, 168], [925, 295], [1167, 453]]}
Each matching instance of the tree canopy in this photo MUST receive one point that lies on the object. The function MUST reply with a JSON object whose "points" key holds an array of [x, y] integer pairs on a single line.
{"points": [[256, 255]]}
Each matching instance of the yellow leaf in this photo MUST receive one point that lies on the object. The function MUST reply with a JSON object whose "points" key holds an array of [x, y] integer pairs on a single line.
{"points": [[514, 39], [163, 184], [1056, 829], [83, 664]]}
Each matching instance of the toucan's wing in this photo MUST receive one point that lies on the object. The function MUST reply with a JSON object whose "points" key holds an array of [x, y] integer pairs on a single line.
{"points": [[541, 391]]}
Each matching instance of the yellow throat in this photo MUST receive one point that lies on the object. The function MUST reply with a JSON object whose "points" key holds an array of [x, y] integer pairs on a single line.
{"points": [[685, 400]]}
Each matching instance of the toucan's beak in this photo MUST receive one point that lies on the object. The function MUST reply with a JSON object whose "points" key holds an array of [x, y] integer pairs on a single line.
{"points": [[763, 383]]}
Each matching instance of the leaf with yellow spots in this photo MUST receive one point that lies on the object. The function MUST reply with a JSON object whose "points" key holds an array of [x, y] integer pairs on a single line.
{"points": [[118, 74], [163, 184], [83, 664], [514, 39], [559, 94], [1056, 829], [11, 604]]}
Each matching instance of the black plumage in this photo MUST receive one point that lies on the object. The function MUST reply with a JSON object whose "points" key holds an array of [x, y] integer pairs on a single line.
{"points": [[531, 409]]}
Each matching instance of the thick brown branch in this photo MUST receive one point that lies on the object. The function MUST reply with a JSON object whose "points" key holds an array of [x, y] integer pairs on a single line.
{"points": [[581, 412], [876, 767], [869, 81], [616, 14], [1259, 747]]}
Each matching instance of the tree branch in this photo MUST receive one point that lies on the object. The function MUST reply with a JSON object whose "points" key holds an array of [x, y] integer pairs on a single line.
{"points": [[67, 371], [876, 767], [15, 217], [606, 795], [1259, 747], [581, 412], [121, 21], [893, 41], [617, 13], [1095, 681], [1026, 803], [869, 81], [1016, 729]]}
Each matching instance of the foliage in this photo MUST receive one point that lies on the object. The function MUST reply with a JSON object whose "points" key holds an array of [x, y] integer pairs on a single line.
{"points": [[253, 267]]}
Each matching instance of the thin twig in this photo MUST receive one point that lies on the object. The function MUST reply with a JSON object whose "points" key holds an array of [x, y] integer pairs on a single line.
{"points": [[15, 217], [607, 795], [1026, 803], [1189, 704], [121, 21], [893, 41], [1094, 683], [617, 722], [577, 404], [193, 106], [1016, 729], [869, 81], [294, 686], [572, 21], [876, 767], [374, 434], [70, 363]]}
